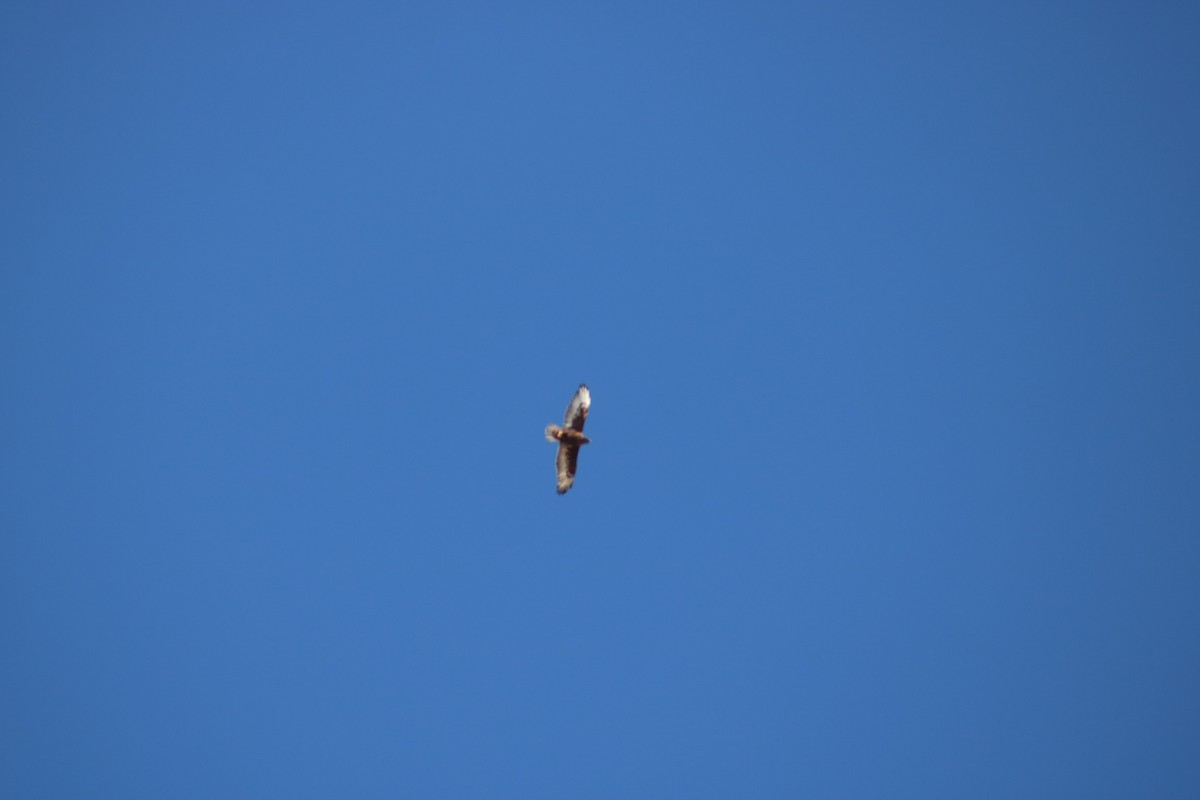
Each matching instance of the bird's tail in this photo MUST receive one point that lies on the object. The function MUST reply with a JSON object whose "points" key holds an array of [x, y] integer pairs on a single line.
{"points": [[551, 433]]}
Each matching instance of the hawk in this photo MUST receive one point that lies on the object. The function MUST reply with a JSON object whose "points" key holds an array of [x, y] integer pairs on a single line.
{"points": [[570, 437]]}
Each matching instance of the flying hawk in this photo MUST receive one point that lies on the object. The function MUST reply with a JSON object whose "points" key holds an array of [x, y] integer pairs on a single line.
{"points": [[570, 437]]}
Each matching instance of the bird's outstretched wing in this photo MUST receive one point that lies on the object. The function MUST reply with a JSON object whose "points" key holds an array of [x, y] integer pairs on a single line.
{"points": [[577, 411], [568, 457]]}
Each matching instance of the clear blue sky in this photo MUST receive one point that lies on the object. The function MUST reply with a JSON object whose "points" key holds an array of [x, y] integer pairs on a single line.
{"points": [[891, 317]]}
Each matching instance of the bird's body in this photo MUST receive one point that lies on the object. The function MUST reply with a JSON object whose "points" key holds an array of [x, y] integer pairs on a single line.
{"points": [[557, 434], [570, 437]]}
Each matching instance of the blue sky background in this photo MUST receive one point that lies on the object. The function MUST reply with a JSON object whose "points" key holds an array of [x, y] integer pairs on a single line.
{"points": [[891, 317]]}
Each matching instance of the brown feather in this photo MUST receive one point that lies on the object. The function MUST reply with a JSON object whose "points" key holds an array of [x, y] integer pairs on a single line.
{"points": [[568, 458]]}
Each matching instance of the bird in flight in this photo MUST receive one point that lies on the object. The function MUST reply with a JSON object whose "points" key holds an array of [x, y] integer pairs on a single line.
{"points": [[570, 437]]}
